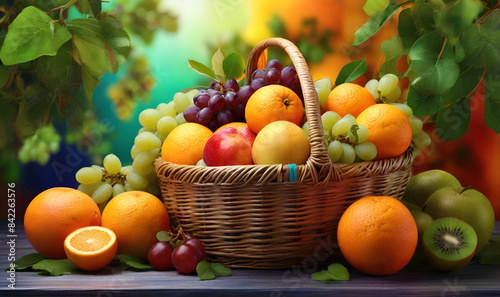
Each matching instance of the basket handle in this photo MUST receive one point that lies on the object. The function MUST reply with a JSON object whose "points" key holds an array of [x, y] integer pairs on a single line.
{"points": [[319, 154]]}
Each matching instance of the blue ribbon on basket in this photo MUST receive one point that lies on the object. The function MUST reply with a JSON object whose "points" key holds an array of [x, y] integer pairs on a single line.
{"points": [[292, 168]]}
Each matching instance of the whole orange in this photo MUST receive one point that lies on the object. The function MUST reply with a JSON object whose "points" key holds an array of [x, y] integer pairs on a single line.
{"points": [[388, 129], [349, 98], [273, 103], [55, 213], [135, 217], [377, 235], [184, 145]]}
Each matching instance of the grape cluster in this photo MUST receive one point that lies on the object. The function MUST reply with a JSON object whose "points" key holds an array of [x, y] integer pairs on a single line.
{"points": [[39, 146], [387, 90], [223, 103]]}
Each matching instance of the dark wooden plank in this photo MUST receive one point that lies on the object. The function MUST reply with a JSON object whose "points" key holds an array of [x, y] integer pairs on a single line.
{"points": [[473, 280]]}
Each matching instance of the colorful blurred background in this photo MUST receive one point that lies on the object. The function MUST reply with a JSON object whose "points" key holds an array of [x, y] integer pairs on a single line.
{"points": [[166, 33]]}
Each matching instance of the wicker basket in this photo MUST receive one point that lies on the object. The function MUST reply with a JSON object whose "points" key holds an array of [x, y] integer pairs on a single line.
{"points": [[254, 216]]}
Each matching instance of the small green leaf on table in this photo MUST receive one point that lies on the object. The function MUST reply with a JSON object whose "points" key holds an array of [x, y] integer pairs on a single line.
{"points": [[217, 60], [351, 71], [374, 24], [207, 270], [374, 6], [31, 35], [27, 261], [134, 263], [220, 270], [335, 272], [55, 267], [233, 66], [453, 120], [202, 69]]}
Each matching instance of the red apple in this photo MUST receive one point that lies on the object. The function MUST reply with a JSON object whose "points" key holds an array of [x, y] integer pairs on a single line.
{"points": [[240, 128], [227, 148]]}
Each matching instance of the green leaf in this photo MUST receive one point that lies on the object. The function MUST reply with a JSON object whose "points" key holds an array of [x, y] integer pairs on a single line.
{"points": [[115, 39], [204, 271], [163, 236], [453, 120], [32, 34], [95, 6], [490, 253], [220, 270], [134, 262], [490, 31], [422, 105], [217, 60], [27, 261], [55, 267], [53, 71], [351, 71], [4, 75], [374, 6], [473, 46], [467, 81], [433, 69], [393, 50], [202, 69], [91, 80], [415, 22], [322, 275], [338, 271], [277, 26], [492, 100], [374, 24], [457, 17], [233, 66]]}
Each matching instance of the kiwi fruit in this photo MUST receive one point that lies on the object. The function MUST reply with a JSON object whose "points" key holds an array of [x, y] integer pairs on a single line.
{"points": [[449, 243]]}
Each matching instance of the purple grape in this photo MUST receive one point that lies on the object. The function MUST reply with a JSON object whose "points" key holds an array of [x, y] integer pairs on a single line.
{"points": [[216, 102], [231, 85], [258, 83], [232, 100], [190, 113], [224, 116], [204, 116], [240, 112], [274, 64], [212, 92], [273, 76], [289, 76], [201, 100], [213, 124], [215, 85], [297, 89], [244, 94], [259, 73]]}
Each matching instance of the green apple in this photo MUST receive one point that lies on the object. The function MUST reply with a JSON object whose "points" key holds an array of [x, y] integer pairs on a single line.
{"points": [[422, 185], [422, 219], [466, 204]]}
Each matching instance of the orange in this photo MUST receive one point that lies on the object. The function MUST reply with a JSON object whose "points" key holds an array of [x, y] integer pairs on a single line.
{"points": [[135, 217], [388, 129], [55, 213], [349, 98], [91, 248], [184, 145], [273, 103], [281, 142], [377, 235]]}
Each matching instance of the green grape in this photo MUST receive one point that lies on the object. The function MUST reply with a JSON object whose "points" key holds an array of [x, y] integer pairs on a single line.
{"points": [[23, 155], [128, 187], [147, 141], [126, 170], [88, 175], [42, 146], [362, 133], [160, 136], [404, 108], [149, 117], [191, 95], [372, 87], [102, 206], [89, 188], [165, 125], [180, 119], [118, 189], [97, 167], [152, 177], [387, 83], [144, 170], [323, 87], [181, 102], [134, 151], [422, 139], [366, 151], [137, 181], [393, 95], [348, 155], [341, 127], [201, 163], [43, 158], [351, 119], [144, 129], [166, 110], [416, 125], [102, 193], [305, 128], [54, 147], [335, 150], [144, 159], [329, 118], [112, 164]]}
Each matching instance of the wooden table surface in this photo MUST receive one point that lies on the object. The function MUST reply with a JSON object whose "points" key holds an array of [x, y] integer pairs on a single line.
{"points": [[472, 280]]}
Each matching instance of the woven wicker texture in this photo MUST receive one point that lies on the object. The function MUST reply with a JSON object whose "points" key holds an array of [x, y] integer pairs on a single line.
{"points": [[253, 217]]}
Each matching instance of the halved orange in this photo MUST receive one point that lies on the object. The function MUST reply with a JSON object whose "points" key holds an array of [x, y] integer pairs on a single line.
{"points": [[91, 248]]}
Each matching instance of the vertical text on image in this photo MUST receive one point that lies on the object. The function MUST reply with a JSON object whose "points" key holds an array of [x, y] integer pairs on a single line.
{"points": [[11, 234]]}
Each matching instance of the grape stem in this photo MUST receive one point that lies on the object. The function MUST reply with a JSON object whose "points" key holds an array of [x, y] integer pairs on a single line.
{"points": [[488, 13], [442, 49]]}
